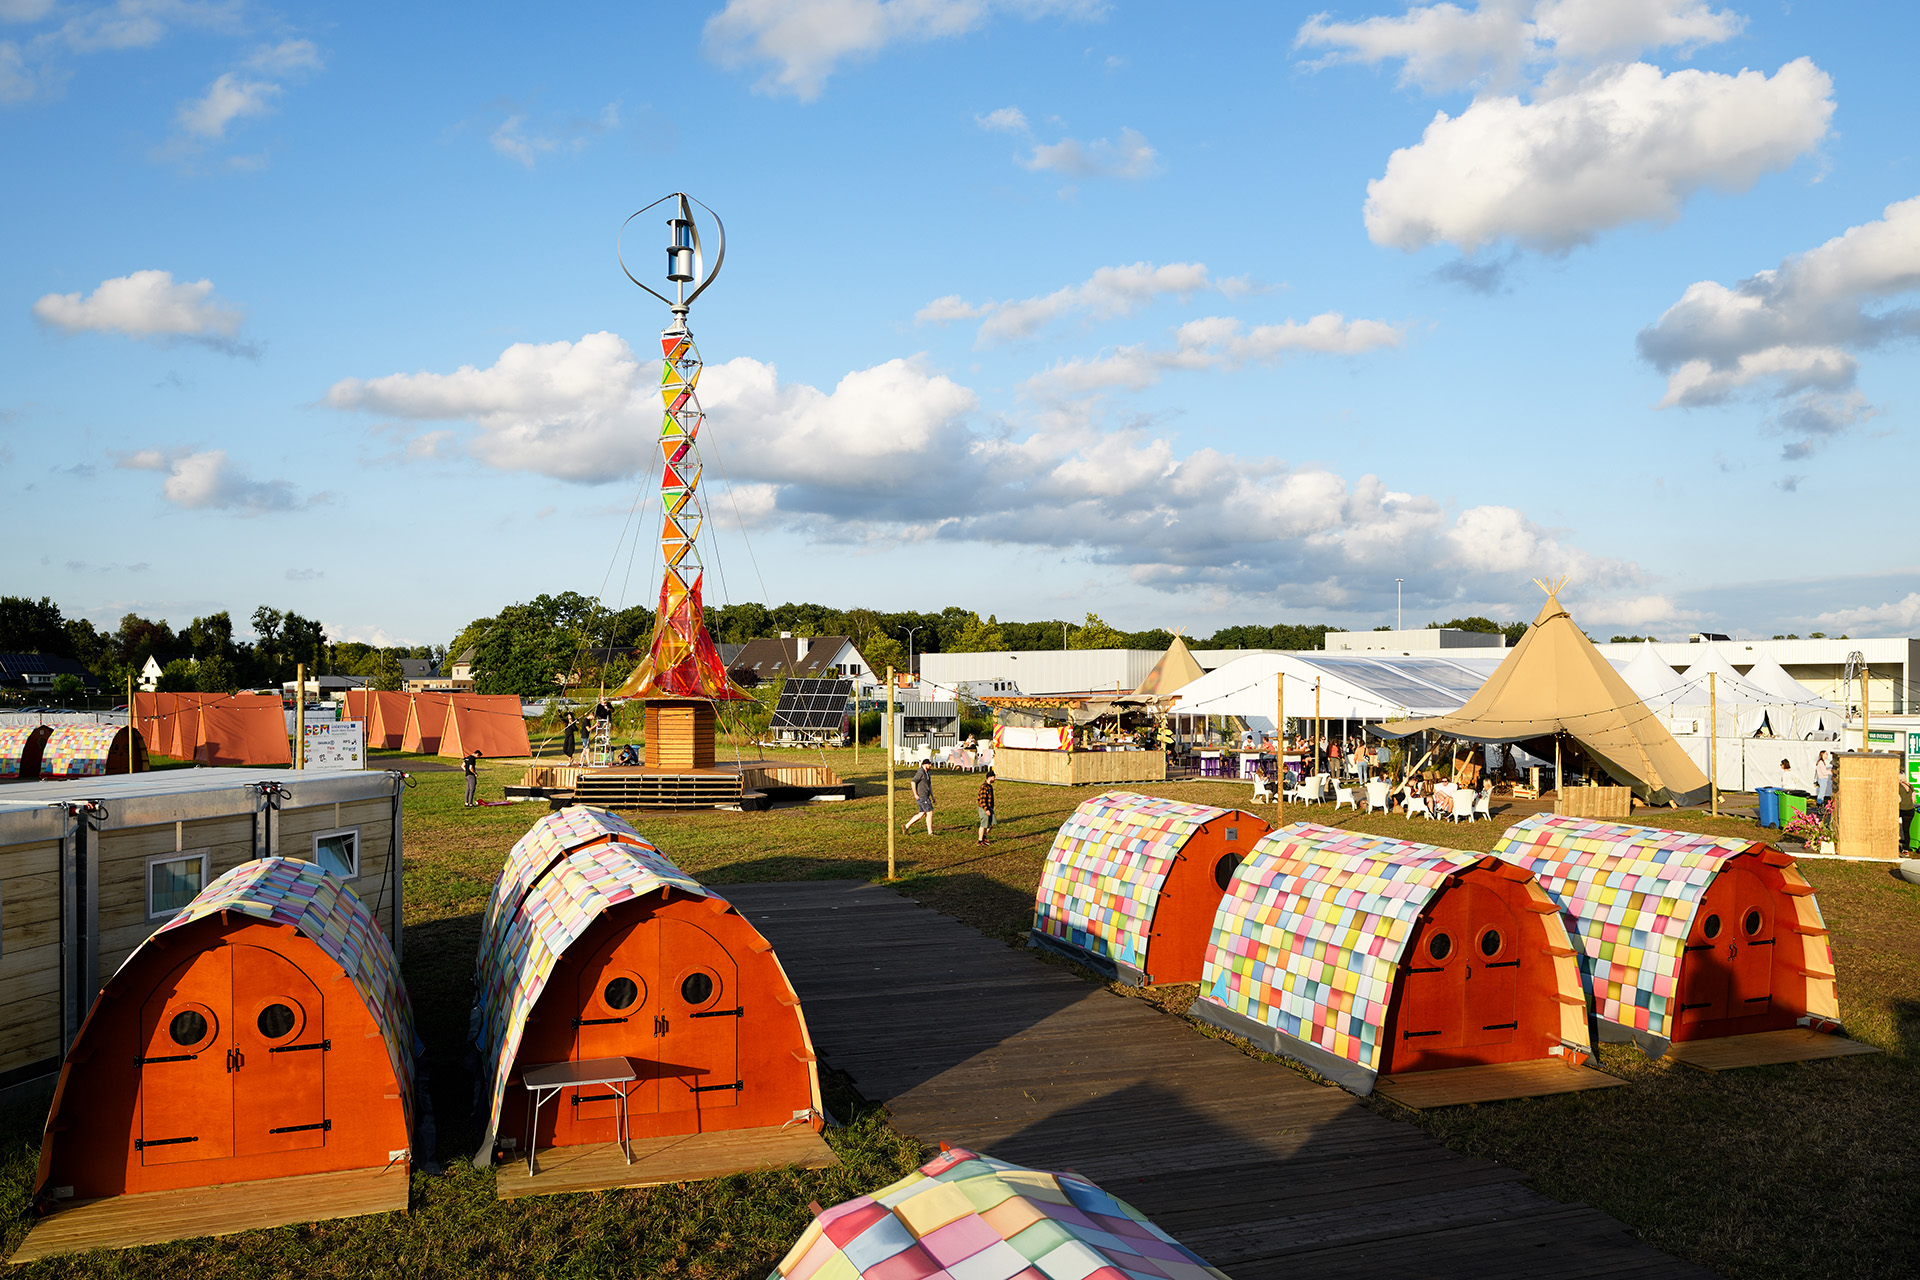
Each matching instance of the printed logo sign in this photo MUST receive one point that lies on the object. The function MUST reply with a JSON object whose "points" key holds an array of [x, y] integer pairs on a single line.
{"points": [[339, 745]]}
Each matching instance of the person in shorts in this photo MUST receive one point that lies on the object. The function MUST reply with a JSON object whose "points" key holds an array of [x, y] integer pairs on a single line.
{"points": [[922, 796], [986, 806]]}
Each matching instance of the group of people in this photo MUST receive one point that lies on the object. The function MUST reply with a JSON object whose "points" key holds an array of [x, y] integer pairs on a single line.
{"points": [[923, 801], [573, 725]]}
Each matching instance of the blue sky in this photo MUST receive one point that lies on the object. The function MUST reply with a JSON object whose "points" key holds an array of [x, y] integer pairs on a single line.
{"points": [[1186, 315]]}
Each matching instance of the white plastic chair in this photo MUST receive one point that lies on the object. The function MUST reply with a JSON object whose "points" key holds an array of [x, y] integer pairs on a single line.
{"points": [[1377, 793], [1418, 804], [1311, 791], [1345, 796], [1262, 787], [1483, 807], [1463, 804]]}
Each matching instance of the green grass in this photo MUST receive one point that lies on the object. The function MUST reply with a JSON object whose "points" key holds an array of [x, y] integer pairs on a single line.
{"points": [[1797, 1170]]}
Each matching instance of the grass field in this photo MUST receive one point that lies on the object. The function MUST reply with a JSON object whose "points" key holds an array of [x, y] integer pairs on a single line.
{"points": [[1781, 1171]]}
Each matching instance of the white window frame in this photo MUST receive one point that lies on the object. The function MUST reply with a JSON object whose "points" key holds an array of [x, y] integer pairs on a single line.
{"points": [[179, 855], [318, 836]]}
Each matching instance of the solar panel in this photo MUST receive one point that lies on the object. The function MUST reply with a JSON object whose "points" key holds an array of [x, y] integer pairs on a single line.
{"points": [[813, 705]]}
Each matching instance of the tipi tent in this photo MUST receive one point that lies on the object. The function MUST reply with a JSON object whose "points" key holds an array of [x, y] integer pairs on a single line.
{"points": [[1648, 674], [1554, 681], [1174, 672]]}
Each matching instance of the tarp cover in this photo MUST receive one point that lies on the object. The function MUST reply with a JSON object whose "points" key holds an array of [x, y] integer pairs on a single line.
{"points": [[1555, 681]]}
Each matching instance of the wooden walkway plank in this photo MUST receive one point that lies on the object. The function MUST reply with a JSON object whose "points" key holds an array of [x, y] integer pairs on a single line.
{"points": [[1763, 1049], [987, 1046], [689, 1157], [1491, 1082]]}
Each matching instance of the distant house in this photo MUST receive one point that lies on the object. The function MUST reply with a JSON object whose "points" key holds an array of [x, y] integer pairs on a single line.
{"points": [[418, 675], [34, 672], [599, 658], [803, 656]]}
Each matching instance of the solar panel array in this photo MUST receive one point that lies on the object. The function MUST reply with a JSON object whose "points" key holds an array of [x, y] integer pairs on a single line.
{"points": [[813, 705]]}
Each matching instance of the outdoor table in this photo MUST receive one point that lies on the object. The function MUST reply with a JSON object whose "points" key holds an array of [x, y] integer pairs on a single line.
{"points": [[549, 1081]]}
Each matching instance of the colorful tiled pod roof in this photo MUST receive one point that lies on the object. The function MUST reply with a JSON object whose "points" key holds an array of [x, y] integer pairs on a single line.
{"points": [[1309, 937], [1103, 875], [77, 751], [1629, 894], [970, 1217], [324, 910], [570, 867]]}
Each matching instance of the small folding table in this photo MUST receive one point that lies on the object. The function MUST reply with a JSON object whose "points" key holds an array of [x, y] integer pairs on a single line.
{"points": [[551, 1080]]}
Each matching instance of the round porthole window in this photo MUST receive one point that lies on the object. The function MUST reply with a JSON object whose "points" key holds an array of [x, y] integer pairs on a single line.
{"points": [[1223, 870], [696, 987], [276, 1021], [1711, 927], [1490, 943], [1440, 946], [1753, 921], [189, 1027], [620, 993]]}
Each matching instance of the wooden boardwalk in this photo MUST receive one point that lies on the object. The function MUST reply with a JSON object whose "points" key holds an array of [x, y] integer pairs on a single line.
{"points": [[1248, 1163]]}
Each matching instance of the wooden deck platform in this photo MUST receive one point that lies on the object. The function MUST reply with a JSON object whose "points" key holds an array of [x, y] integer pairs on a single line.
{"points": [[688, 1158], [155, 1217], [1765, 1048], [1258, 1169], [724, 785], [1493, 1082]]}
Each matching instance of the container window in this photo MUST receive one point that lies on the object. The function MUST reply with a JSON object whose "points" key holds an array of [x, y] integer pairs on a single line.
{"points": [[173, 882], [276, 1021], [338, 852], [1490, 943], [189, 1027]]}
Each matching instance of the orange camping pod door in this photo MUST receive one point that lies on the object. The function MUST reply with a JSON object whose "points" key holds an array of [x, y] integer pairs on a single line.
{"points": [[1727, 979], [1190, 896], [700, 1013], [1468, 990]]}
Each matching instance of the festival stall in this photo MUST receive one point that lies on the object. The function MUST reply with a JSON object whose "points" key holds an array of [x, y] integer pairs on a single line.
{"points": [[971, 1217], [1370, 958], [263, 1032], [1131, 884], [601, 959], [1686, 937]]}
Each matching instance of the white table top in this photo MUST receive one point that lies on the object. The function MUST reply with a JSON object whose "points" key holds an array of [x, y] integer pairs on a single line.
{"points": [[590, 1071]]}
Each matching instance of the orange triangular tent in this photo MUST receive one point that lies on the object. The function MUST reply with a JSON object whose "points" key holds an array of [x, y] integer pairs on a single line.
{"points": [[386, 719], [491, 725], [426, 716], [1175, 670], [236, 732], [357, 704], [1555, 681]]}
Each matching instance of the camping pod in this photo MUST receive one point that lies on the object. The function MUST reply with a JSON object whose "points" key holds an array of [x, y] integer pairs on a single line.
{"points": [[489, 724], [971, 1217], [1363, 957], [595, 946], [1132, 881], [92, 751], [20, 748], [1683, 936], [262, 1032]]}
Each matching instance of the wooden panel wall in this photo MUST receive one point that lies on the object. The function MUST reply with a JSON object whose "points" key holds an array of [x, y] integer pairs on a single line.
{"points": [[29, 953], [120, 860], [293, 831]]}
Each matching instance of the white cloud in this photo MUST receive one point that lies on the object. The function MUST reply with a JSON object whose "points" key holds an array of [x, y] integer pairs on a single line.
{"points": [[1625, 144], [286, 57], [1794, 332], [1131, 157], [1443, 46], [34, 66], [147, 304], [209, 481], [227, 99], [1215, 342], [807, 40], [1896, 617], [1003, 120], [569, 136], [1107, 293], [24, 10]]}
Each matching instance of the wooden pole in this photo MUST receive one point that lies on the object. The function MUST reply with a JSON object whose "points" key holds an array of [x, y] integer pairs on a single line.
{"points": [[1319, 729], [856, 718], [886, 739], [300, 715], [1863, 709], [1713, 741], [129, 720], [1559, 791]]}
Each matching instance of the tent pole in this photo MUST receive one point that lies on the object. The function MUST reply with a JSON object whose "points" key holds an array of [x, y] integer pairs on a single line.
{"points": [[1559, 792], [1864, 738], [1279, 749], [299, 715], [1713, 742], [887, 740], [1319, 729]]}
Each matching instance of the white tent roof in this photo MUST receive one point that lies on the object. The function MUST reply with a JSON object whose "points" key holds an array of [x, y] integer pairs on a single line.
{"points": [[1729, 685], [1351, 686], [1648, 674], [1771, 676]]}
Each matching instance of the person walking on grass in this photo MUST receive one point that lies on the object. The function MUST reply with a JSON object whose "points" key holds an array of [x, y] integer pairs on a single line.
{"points": [[986, 806], [922, 796], [470, 765]]}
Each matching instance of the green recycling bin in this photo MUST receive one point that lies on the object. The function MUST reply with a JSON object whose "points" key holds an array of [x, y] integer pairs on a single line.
{"points": [[1792, 806]]}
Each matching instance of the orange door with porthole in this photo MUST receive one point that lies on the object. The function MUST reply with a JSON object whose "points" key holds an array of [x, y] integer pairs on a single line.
{"points": [[279, 1055], [186, 1076], [1491, 993], [1726, 970], [700, 1011], [614, 1019], [1458, 995]]}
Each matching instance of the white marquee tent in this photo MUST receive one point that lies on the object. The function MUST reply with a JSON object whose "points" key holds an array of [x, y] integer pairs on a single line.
{"points": [[1369, 687]]}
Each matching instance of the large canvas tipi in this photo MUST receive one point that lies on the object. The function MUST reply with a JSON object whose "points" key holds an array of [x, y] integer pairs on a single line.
{"points": [[1175, 670], [1554, 681]]}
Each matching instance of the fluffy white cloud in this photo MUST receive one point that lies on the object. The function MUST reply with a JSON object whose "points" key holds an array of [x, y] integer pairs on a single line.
{"points": [[1130, 157], [1623, 144], [1443, 46], [146, 304], [1003, 120], [1108, 292], [286, 57], [1212, 343], [516, 140], [900, 452], [807, 40], [34, 65], [1895, 617], [1792, 332], [227, 99], [209, 480]]}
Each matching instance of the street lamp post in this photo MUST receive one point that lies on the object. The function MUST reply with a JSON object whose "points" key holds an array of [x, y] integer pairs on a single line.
{"points": [[1398, 621], [911, 632]]}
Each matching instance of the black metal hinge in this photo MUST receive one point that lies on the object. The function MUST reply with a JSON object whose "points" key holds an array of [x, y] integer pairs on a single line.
{"points": [[141, 1144], [322, 1046], [1408, 1035], [1756, 999], [325, 1126], [579, 1098], [1501, 1026], [720, 1013], [714, 1088], [1704, 1004], [596, 1022], [1433, 969], [1700, 946], [1502, 964], [175, 1057], [1767, 943]]}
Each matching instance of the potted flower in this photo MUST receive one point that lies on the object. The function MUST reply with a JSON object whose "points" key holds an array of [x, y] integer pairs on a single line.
{"points": [[1808, 829]]}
